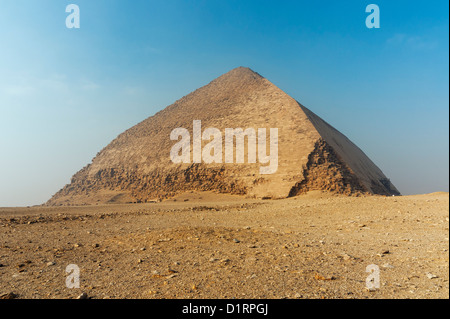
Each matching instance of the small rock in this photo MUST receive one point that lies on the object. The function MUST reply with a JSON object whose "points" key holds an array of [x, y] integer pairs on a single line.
{"points": [[431, 276], [50, 263], [319, 277], [83, 296], [385, 252], [346, 257], [237, 241], [9, 295]]}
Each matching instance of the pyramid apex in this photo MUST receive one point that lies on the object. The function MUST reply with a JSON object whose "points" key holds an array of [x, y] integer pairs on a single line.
{"points": [[243, 71]]}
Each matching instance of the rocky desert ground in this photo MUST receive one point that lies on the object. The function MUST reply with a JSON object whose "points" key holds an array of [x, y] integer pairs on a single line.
{"points": [[205, 245]]}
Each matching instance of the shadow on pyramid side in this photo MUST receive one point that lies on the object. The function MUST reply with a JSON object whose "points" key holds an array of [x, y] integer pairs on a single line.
{"points": [[312, 155]]}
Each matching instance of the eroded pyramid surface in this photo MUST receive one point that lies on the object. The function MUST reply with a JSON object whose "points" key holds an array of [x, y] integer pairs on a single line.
{"points": [[312, 155]]}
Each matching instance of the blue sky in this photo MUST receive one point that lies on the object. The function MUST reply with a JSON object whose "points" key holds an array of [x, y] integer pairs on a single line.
{"points": [[66, 93]]}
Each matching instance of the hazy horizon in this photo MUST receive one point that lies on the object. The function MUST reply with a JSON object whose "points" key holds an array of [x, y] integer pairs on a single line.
{"points": [[67, 93]]}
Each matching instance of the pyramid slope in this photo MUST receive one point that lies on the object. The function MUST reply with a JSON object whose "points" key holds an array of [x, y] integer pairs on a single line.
{"points": [[136, 166], [370, 176]]}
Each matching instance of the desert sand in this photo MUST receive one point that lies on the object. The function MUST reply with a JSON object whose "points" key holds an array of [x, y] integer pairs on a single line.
{"points": [[206, 245]]}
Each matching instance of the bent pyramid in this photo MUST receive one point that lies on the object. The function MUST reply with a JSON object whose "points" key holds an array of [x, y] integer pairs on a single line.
{"points": [[312, 155]]}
